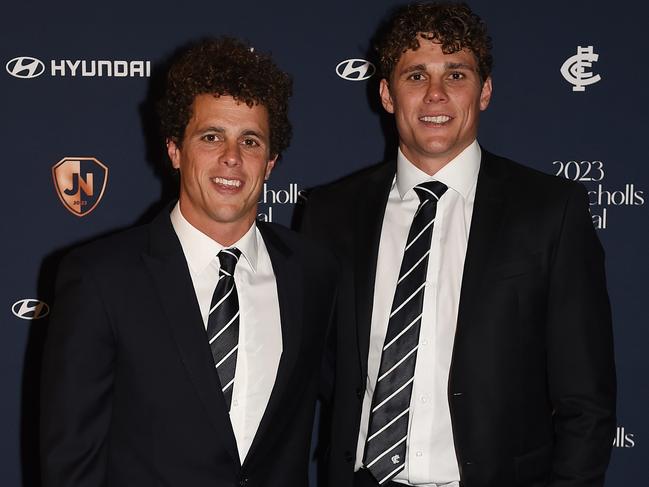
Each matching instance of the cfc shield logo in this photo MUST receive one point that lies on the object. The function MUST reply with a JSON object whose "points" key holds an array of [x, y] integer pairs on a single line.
{"points": [[576, 68], [80, 183], [30, 309], [355, 69], [25, 67]]}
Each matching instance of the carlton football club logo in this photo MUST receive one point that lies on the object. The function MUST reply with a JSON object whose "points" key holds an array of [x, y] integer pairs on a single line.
{"points": [[576, 69], [80, 183], [355, 69]]}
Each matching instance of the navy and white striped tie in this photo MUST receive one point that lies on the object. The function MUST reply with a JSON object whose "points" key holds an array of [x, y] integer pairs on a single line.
{"points": [[223, 322], [385, 447]]}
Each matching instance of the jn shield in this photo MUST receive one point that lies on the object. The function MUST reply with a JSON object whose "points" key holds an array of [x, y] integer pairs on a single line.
{"points": [[80, 183]]}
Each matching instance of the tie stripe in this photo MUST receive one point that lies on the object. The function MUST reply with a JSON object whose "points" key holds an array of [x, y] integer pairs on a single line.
{"points": [[397, 364], [384, 428], [227, 295], [385, 448], [234, 349], [407, 300], [378, 406], [428, 225], [423, 257], [224, 328], [228, 385], [223, 322], [391, 474], [236, 253], [412, 323]]}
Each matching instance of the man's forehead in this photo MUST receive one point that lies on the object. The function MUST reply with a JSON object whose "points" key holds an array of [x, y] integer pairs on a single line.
{"points": [[217, 111], [421, 56]]}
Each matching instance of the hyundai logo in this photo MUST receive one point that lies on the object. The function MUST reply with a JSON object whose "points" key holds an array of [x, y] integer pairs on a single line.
{"points": [[30, 309], [25, 67], [355, 69]]}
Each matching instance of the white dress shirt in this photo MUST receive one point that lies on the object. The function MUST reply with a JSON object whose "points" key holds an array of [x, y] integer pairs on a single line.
{"points": [[260, 332], [430, 451]]}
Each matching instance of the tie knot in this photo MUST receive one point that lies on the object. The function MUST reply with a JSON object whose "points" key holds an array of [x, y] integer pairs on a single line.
{"points": [[229, 258], [430, 190]]}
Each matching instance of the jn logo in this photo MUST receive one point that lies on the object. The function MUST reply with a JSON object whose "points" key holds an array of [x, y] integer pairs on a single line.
{"points": [[576, 68], [355, 69], [80, 183]]}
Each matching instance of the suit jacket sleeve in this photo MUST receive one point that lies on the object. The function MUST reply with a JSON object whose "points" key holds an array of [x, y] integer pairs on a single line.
{"points": [[581, 371], [77, 379]]}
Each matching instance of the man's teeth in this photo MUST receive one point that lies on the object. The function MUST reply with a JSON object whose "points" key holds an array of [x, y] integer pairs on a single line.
{"points": [[437, 119], [227, 182]]}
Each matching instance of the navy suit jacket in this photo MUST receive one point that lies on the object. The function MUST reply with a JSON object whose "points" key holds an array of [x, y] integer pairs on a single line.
{"points": [[532, 381], [130, 394]]}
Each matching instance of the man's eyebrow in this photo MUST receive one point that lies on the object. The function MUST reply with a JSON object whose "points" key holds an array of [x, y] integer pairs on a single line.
{"points": [[447, 65], [221, 130], [451, 65], [414, 67], [252, 132], [211, 128]]}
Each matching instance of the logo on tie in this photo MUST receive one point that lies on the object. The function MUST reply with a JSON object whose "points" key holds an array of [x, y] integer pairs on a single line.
{"points": [[395, 459], [576, 69]]}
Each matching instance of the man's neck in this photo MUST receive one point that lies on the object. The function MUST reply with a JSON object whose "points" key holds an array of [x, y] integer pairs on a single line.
{"points": [[427, 164], [224, 233]]}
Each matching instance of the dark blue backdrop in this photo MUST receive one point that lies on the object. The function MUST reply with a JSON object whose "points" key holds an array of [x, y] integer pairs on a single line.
{"points": [[596, 135]]}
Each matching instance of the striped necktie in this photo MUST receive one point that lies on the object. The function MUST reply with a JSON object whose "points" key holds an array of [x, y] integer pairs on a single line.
{"points": [[223, 322], [385, 448]]}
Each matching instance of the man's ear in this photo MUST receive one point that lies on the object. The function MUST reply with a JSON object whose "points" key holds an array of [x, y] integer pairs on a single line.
{"points": [[485, 94], [173, 151], [386, 98], [269, 166]]}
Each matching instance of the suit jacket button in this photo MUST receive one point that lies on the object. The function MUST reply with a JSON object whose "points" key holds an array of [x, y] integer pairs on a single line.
{"points": [[349, 458], [359, 393], [243, 481]]}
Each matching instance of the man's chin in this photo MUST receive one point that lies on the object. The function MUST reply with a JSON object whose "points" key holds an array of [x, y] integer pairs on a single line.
{"points": [[233, 215]]}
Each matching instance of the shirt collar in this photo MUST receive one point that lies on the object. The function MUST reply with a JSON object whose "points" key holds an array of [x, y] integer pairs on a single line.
{"points": [[200, 250], [460, 174]]}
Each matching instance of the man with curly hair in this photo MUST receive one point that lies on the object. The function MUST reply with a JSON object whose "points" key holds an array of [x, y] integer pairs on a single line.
{"points": [[185, 352], [473, 339]]}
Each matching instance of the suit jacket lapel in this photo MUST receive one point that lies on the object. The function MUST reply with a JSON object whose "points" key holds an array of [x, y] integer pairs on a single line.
{"points": [[289, 276], [485, 227], [168, 268], [372, 203]]}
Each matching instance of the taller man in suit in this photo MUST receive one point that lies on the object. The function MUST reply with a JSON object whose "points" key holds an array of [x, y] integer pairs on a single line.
{"points": [[186, 352], [473, 340]]}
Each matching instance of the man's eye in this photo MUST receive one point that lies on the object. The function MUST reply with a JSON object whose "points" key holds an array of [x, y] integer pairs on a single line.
{"points": [[456, 75], [416, 76], [210, 137], [250, 142]]}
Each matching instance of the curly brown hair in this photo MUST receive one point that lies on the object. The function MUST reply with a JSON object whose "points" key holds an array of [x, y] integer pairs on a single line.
{"points": [[226, 66], [453, 25]]}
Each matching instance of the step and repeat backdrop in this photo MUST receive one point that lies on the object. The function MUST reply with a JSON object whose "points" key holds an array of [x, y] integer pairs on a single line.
{"points": [[81, 155]]}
